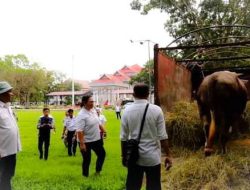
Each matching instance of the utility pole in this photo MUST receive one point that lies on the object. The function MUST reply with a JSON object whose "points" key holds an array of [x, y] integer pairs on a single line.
{"points": [[73, 83], [149, 58]]}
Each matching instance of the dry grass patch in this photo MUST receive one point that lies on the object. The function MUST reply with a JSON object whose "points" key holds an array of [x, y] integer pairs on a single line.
{"points": [[192, 171], [184, 126]]}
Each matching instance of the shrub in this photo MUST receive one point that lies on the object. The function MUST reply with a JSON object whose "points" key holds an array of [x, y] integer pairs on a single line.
{"points": [[108, 107], [184, 126]]}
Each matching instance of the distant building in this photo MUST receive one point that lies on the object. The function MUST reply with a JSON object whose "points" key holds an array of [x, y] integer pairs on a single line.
{"points": [[113, 88], [109, 89], [63, 97]]}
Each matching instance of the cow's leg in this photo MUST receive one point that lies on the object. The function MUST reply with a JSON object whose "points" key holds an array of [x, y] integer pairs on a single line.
{"points": [[206, 120], [211, 135], [223, 127], [224, 134], [205, 117]]}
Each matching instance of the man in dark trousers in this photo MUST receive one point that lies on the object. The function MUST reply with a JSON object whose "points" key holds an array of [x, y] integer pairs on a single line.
{"points": [[45, 124], [153, 137], [69, 125], [9, 137]]}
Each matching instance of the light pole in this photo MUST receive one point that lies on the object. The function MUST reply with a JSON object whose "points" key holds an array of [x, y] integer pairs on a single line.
{"points": [[73, 83], [149, 58]]}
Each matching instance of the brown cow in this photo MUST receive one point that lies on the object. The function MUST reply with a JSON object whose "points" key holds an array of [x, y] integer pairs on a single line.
{"points": [[221, 99]]}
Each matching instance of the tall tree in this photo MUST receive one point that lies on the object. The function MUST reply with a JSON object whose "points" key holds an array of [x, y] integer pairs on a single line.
{"points": [[188, 15], [30, 81], [145, 74]]}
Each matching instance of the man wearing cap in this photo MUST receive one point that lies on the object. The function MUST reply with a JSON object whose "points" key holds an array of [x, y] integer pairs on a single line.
{"points": [[9, 137]]}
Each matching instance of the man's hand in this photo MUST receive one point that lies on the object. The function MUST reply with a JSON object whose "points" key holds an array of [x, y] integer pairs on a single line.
{"points": [[168, 163], [83, 147]]}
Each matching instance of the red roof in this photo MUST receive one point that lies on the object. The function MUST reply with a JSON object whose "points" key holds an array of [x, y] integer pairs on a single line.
{"points": [[136, 68], [83, 83], [131, 71], [119, 76]]}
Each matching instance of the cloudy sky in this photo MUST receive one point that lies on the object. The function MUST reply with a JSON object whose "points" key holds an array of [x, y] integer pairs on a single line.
{"points": [[93, 35]]}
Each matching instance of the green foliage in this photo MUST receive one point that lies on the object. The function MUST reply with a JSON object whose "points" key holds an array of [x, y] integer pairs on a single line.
{"points": [[184, 126], [31, 82], [61, 171], [144, 75], [188, 15], [67, 86]]}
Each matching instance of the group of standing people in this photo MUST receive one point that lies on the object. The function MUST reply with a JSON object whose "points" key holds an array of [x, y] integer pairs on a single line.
{"points": [[88, 129]]}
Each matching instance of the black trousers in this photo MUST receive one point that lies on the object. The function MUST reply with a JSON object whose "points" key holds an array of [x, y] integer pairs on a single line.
{"points": [[135, 177], [118, 115], [97, 147], [44, 139], [7, 171], [71, 144]]}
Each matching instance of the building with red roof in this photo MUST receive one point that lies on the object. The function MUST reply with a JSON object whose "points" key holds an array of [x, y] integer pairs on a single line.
{"points": [[61, 97], [112, 88]]}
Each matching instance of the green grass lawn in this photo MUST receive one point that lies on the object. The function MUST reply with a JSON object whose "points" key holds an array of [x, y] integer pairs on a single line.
{"points": [[60, 171], [191, 170]]}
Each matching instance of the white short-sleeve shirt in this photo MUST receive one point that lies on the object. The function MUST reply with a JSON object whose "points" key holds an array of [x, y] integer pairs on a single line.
{"points": [[69, 123], [153, 131], [9, 132], [88, 122]]}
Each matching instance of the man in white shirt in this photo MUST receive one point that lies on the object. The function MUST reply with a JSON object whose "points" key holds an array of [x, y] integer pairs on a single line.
{"points": [[69, 125], [88, 134], [118, 111], [153, 137], [102, 120], [9, 137]]}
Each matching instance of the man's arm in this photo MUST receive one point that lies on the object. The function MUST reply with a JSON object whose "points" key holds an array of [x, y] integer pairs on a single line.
{"points": [[163, 137], [80, 124], [124, 133], [80, 137], [39, 125], [168, 158], [63, 133], [53, 125], [102, 128]]}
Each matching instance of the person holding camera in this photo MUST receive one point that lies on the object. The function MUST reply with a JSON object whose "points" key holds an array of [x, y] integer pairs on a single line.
{"points": [[45, 124], [143, 128]]}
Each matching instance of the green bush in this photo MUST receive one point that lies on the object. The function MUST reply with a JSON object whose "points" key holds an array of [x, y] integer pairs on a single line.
{"points": [[184, 126], [108, 107]]}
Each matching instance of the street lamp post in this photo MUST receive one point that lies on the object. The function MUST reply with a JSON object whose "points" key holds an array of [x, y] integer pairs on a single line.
{"points": [[149, 58], [73, 83]]}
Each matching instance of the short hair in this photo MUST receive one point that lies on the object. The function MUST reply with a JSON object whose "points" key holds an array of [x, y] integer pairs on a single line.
{"points": [[141, 90], [70, 110], [46, 109], [85, 99]]}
